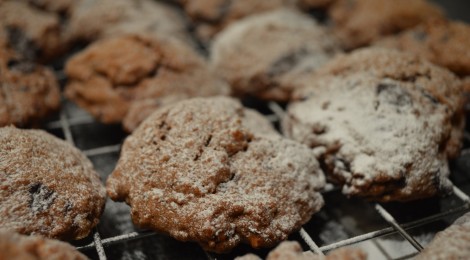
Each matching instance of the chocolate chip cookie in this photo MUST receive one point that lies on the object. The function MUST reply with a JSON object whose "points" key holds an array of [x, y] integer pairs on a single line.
{"points": [[28, 91], [292, 250], [47, 187], [262, 55], [359, 22], [383, 123], [198, 171], [33, 33], [115, 78], [445, 43], [92, 20], [16, 246], [452, 243]]}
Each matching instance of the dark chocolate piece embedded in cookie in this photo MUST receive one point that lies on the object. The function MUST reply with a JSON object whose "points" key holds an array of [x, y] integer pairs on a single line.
{"points": [[262, 55], [452, 243], [359, 22], [47, 187], [442, 42], [114, 78], [201, 170], [28, 91], [16, 246], [383, 122]]}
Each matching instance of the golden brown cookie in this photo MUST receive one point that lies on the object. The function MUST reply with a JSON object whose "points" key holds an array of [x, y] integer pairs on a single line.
{"points": [[92, 20], [442, 42], [198, 171], [384, 123], [359, 22], [211, 16], [291, 250], [114, 78], [16, 246], [32, 32], [452, 243], [28, 91], [47, 186], [262, 54]]}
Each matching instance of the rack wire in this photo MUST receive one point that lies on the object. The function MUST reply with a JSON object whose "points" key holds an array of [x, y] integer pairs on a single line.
{"points": [[65, 122]]}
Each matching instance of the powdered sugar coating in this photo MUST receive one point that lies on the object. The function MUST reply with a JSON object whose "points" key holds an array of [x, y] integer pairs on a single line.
{"points": [[452, 243], [16, 246], [261, 54], [47, 186], [196, 171], [291, 250], [127, 77], [384, 123]]}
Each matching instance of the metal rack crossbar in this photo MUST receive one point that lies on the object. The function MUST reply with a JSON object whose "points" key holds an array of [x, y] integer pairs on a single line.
{"points": [[64, 123]]}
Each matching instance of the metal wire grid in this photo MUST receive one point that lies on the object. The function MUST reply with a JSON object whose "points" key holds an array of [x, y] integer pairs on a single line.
{"points": [[64, 123]]}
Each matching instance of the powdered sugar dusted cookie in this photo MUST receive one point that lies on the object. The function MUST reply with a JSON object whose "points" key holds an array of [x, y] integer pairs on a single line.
{"points": [[445, 43], [198, 171], [28, 92], [359, 22], [47, 187], [92, 20], [452, 243], [113, 76], [16, 246], [291, 250], [384, 123], [262, 54], [33, 33]]}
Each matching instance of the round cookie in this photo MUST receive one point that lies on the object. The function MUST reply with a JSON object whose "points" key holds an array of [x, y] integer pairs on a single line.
{"points": [[292, 250], [359, 22], [452, 243], [92, 20], [28, 92], [383, 122], [16, 246], [212, 16], [114, 78], [262, 55], [198, 171], [47, 187], [445, 43], [30, 31]]}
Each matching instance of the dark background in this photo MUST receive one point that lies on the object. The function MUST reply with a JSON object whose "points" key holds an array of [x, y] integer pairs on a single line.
{"points": [[455, 9]]}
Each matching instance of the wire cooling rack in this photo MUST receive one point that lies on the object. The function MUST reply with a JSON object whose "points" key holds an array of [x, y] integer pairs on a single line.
{"points": [[385, 231]]}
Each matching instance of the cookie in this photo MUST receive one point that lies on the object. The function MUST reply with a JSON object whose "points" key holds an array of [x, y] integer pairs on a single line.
{"points": [[383, 123], [291, 250], [359, 22], [442, 42], [262, 54], [130, 72], [452, 243], [28, 91], [16, 246], [198, 171], [47, 187], [212, 16], [92, 20], [33, 33]]}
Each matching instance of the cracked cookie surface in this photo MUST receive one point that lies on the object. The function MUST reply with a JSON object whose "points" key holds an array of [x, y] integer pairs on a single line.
{"points": [[16, 246], [47, 187], [383, 123], [210, 171], [127, 77], [262, 54]]}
